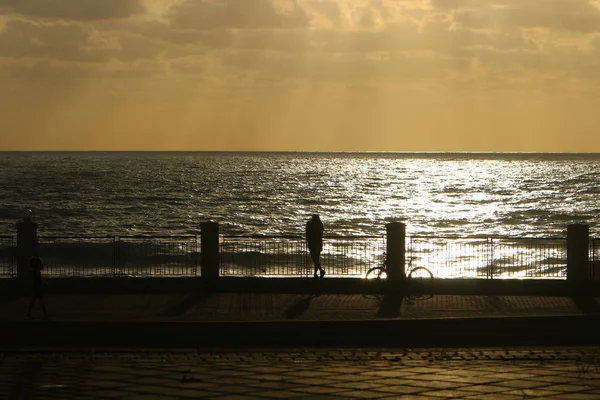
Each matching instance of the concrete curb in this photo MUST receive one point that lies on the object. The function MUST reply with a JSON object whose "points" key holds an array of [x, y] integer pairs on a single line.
{"points": [[455, 332], [539, 287]]}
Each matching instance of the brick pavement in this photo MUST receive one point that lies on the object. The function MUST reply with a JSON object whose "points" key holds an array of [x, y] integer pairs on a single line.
{"points": [[482, 373], [282, 306], [299, 319]]}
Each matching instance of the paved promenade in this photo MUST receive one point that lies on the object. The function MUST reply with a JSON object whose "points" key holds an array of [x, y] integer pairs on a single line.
{"points": [[271, 319], [281, 345], [213, 307], [332, 373]]}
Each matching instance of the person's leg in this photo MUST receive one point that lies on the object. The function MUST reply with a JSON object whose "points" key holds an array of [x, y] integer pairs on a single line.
{"points": [[43, 305], [31, 306], [316, 264]]}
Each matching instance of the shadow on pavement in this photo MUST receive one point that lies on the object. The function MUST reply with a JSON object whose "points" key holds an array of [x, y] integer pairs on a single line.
{"points": [[300, 307], [183, 306], [587, 304], [9, 298], [391, 305]]}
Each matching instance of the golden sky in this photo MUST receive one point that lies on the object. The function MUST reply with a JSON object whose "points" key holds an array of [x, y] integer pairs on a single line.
{"points": [[340, 75]]}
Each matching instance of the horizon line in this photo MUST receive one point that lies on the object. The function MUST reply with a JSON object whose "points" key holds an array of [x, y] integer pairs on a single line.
{"points": [[302, 151]]}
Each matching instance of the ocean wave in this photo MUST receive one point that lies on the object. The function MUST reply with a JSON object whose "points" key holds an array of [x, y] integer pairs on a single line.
{"points": [[91, 193], [592, 189]]}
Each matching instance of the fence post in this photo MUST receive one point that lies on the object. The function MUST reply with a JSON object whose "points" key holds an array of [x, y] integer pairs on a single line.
{"points": [[196, 255], [490, 271], [578, 239], [13, 256], [396, 250], [594, 260], [209, 249], [115, 255], [27, 244]]}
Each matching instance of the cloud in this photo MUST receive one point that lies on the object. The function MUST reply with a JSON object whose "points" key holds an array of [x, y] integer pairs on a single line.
{"points": [[71, 42], [63, 75], [277, 40], [573, 15], [79, 10], [26, 39], [233, 14], [228, 64], [581, 16]]}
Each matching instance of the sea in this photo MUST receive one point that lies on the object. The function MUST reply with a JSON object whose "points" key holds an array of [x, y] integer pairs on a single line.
{"points": [[463, 211], [172, 193]]}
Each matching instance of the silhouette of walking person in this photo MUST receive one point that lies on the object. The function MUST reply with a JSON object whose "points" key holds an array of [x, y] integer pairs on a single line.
{"points": [[37, 292], [314, 240]]}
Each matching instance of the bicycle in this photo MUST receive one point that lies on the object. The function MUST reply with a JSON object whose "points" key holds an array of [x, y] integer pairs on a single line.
{"points": [[380, 271], [415, 276]]}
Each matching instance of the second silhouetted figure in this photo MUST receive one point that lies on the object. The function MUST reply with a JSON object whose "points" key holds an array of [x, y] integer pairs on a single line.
{"points": [[37, 289], [314, 240]]}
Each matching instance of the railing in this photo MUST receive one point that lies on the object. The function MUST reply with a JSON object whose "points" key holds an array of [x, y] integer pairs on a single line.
{"points": [[342, 256], [289, 256], [85, 256], [77, 256], [157, 256], [8, 253], [595, 258], [489, 257]]}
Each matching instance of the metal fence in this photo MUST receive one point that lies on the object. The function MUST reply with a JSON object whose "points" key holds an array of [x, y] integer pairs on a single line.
{"points": [[489, 257], [347, 256], [158, 256], [71, 256], [8, 254], [595, 258], [289, 256]]}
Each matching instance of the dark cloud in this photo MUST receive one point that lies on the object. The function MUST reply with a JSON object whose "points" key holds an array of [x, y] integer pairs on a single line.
{"points": [[234, 14], [348, 68], [457, 4], [434, 35], [25, 39], [474, 19], [187, 41], [79, 10], [328, 9], [573, 15], [43, 71], [51, 77], [71, 42], [276, 40]]}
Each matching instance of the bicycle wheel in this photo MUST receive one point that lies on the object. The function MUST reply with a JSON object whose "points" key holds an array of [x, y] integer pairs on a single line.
{"points": [[418, 289], [420, 273], [376, 273]]}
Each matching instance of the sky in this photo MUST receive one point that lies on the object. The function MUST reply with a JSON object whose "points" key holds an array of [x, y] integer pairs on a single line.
{"points": [[300, 75]]}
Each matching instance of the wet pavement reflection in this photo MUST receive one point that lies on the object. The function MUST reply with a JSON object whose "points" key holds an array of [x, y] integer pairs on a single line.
{"points": [[481, 373]]}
